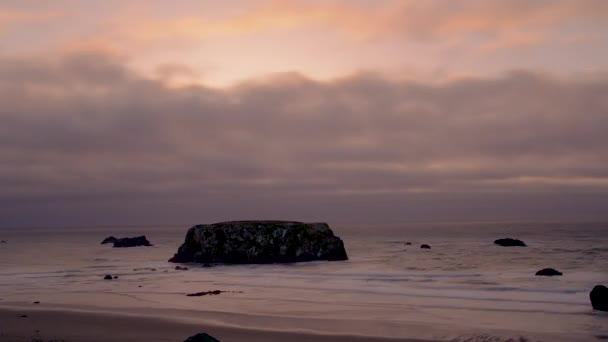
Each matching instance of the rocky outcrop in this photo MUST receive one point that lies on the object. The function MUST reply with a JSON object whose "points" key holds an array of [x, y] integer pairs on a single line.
{"points": [[108, 277], [260, 242], [508, 242], [109, 239], [599, 297], [201, 338], [425, 246], [549, 272], [132, 242]]}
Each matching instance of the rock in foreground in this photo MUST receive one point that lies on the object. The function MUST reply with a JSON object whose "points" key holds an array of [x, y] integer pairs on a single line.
{"points": [[549, 272], [510, 243], [599, 297], [132, 242], [260, 242], [201, 338]]}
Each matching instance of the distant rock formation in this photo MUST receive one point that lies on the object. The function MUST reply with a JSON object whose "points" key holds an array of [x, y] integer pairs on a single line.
{"points": [[3, 241], [599, 298], [201, 338], [260, 242], [425, 246], [109, 239], [408, 243], [508, 242], [108, 277], [132, 242], [549, 272]]}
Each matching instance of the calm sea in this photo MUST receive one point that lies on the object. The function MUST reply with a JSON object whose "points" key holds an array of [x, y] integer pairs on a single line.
{"points": [[463, 289]]}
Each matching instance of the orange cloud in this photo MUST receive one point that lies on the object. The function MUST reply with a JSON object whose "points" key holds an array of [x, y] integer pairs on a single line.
{"points": [[15, 17], [428, 20]]}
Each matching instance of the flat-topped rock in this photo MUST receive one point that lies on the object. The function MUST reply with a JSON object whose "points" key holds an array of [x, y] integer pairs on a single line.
{"points": [[260, 242]]}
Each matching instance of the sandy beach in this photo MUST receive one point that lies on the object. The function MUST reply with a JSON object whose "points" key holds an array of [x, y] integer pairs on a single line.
{"points": [[45, 325]]}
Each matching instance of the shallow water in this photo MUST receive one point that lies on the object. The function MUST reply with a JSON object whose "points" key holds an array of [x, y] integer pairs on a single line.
{"points": [[463, 289]]}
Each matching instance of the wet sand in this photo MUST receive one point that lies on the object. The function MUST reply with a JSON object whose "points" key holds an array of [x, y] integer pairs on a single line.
{"points": [[46, 325]]}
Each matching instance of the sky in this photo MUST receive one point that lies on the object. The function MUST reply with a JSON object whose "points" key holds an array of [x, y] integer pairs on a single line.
{"points": [[346, 111]]}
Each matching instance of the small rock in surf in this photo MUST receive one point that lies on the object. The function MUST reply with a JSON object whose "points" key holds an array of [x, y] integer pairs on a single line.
{"points": [[549, 272], [201, 338], [599, 298], [508, 242]]}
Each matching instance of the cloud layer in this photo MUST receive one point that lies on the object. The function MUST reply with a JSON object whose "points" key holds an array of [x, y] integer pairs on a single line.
{"points": [[87, 132]]}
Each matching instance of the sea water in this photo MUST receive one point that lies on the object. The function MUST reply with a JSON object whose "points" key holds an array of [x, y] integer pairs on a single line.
{"points": [[464, 288]]}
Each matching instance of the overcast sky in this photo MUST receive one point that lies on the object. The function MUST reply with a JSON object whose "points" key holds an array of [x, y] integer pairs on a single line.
{"points": [[340, 111]]}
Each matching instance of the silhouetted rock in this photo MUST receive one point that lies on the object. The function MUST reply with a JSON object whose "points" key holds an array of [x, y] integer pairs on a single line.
{"points": [[115, 277], [599, 297], [23, 316], [144, 269], [425, 246], [3, 241], [201, 338], [259, 242], [108, 277], [180, 268], [109, 239], [408, 243], [508, 242], [205, 293], [36, 302], [549, 272], [132, 242]]}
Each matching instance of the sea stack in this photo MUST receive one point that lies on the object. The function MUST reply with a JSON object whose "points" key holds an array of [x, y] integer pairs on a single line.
{"points": [[260, 242]]}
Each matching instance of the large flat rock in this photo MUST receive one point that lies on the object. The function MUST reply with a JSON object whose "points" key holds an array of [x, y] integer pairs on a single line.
{"points": [[260, 242]]}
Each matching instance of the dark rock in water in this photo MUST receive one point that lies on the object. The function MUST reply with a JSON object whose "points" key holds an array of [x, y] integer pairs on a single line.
{"points": [[199, 294], [509, 243], [408, 243], [201, 338], [549, 272], [132, 242], [107, 277], [144, 269], [207, 265], [36, 302], [115, 277], [599, 297], [3, 241], [109, 239], [214, 293], [425, 246], [179, 268], [260, 242], [23, 316]]}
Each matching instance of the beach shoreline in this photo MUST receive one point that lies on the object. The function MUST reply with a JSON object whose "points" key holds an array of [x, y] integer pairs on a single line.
{"points": [[60, 324]]}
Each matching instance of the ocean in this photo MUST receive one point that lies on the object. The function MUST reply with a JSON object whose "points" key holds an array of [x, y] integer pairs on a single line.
{"points": [[464, 288]]}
